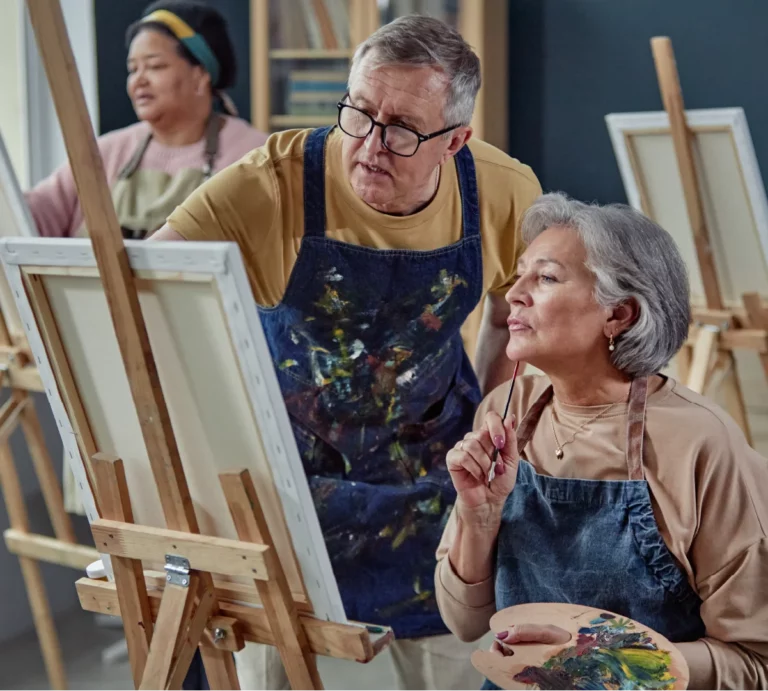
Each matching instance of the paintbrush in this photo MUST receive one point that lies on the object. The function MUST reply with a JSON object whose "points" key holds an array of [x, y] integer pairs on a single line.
{"points": [[494, 456]]}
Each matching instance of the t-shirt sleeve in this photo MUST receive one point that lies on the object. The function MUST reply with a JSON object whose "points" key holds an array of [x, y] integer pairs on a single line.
{"points": [[230, 204], [730, 557], [241, 204], [525, 190]]}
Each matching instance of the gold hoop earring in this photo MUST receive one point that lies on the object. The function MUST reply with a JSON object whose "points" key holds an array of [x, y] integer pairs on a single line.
{"points": [[611, 345]]}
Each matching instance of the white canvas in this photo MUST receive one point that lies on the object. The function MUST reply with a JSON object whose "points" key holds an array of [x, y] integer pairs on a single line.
{"points": [[217, 376], [732, 190]]}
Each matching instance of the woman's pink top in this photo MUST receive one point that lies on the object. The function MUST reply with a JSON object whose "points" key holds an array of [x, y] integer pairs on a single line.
{"points": [[54, 203]]}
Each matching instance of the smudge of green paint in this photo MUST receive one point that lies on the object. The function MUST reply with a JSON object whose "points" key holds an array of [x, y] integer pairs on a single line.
{"points": [[404, 533], [431, 507], [606, 656], [331, 302], [285, 364]]}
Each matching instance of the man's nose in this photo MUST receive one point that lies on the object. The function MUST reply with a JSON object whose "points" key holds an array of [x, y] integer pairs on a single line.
{"points": [[374, 142]]}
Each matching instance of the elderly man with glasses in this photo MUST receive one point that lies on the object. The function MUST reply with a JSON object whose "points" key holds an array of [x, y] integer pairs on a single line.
{"points": [[369, 246]]}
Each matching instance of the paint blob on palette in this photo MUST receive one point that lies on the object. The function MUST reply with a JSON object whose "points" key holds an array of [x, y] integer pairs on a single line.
{"points": [[606, 651]]}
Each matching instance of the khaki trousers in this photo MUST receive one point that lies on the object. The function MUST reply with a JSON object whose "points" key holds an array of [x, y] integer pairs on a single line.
{"points": [[435, 662]]}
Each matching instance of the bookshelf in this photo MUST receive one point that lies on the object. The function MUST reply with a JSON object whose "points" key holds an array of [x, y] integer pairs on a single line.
{"points": [[301, 51]]}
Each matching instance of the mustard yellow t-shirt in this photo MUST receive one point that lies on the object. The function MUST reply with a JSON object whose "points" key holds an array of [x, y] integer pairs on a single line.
{"points": [[258, 203]]}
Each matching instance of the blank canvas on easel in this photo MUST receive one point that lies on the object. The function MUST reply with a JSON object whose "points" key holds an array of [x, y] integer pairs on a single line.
{"points": [[732, 192], [217, 376]]}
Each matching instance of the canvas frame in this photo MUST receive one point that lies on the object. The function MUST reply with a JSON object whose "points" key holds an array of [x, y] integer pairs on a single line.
{"points": [[220, 264], [624, 128]]}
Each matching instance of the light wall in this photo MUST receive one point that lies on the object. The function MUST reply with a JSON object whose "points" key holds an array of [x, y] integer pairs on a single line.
{"points": [[12, 84]]}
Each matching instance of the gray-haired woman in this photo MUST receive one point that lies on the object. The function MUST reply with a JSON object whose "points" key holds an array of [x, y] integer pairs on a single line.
{"points": [[620, 488]]}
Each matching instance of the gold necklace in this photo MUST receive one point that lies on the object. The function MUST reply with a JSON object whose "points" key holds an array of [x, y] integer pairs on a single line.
{"points": [[559, 449]]}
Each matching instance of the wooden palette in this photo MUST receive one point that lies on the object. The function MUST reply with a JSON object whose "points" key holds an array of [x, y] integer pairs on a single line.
{"points": [[606, 651]]}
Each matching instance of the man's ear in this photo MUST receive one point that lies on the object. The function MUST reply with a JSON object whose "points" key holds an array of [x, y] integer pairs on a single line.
{"points": [[621, 318], [458, 138]]}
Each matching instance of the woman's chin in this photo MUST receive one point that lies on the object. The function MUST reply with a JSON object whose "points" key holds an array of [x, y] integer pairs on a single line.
{"points": [[516, 352], [519, 348]]}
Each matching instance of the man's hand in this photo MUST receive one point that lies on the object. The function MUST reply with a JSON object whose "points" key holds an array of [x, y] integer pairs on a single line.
{"points": [[165, 233]]}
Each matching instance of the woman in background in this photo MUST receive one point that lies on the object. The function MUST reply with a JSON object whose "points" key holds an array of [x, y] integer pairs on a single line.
{"points": [[180, 59]]}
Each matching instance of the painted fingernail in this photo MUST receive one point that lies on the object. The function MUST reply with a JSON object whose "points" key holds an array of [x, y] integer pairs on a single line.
{"points": [[498, 441], [500, 468], [501, 635], [513, 421]]}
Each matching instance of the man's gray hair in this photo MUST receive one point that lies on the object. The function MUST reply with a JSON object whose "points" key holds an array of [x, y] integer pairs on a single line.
{"points": [[631, 257], [429, 42]]}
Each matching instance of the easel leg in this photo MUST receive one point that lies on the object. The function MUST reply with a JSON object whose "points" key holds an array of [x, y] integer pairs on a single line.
{"points": [[290, 637], [49, 484], [758, 319], [706, 342], [30, 570], [734, 398], [46, 630], [683, 363], [219, 668], [176, 609], [114, 502]]}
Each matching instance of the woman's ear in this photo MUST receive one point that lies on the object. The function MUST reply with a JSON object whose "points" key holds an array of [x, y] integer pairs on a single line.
{"points": [[621, 318], [203, 81]]}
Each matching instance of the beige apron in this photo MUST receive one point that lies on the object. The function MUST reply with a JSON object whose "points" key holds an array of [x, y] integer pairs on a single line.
{"points": [[143, 201]]}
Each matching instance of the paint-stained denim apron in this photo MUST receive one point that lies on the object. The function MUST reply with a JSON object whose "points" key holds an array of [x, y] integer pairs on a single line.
{"points": [[593, 542], [372, 367]]}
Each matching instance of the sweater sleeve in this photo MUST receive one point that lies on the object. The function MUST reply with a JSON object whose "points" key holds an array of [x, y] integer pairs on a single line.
{"points": [[465, 608], [735, 610], [53, 203]]}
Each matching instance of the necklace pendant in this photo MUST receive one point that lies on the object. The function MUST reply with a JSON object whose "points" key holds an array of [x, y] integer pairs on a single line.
{"points": [[559, 454]]}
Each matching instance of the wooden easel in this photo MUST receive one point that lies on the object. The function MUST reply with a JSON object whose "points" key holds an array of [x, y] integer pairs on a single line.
{"points": [[166, 621], [21, 377], [718, 330]]}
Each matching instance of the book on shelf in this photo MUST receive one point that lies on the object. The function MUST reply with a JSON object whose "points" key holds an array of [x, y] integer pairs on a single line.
{"points": [[313, 24], [315, 92]]}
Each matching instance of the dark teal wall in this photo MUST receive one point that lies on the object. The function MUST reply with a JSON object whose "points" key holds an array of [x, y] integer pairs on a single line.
{"points": [[113, 17], [574, 61]]}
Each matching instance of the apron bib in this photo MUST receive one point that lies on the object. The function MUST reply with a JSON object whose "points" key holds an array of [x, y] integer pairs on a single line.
{"points": [[144, 199], [593, 542], [372, 367]]}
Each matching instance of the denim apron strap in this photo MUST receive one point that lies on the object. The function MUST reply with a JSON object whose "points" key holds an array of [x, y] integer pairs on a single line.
{"points": [[470, 204], [531, 419], [314, 182], [638, 397]]}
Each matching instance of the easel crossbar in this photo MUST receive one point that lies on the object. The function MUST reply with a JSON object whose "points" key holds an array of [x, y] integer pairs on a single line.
{"points": [[205, 553], [343, 641], [49, 550]]}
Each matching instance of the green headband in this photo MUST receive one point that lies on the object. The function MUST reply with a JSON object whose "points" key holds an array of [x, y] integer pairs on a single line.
{"points": [[192, 41]]}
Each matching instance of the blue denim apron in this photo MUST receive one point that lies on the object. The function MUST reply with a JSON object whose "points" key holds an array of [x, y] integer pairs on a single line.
{"points": [[593, 542], [378, 386]]}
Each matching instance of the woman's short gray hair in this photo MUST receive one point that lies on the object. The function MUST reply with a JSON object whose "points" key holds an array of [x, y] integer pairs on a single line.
{"points": [[632, 258], [429, 42]]}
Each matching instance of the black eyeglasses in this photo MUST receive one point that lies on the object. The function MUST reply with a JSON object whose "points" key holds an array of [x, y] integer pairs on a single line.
{"points": [[400, 140]]}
